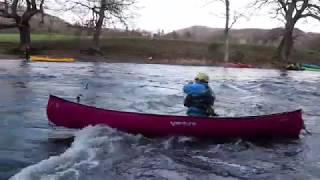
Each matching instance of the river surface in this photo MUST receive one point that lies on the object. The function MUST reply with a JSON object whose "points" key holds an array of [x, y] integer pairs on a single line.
{"points": [[32, 149]]}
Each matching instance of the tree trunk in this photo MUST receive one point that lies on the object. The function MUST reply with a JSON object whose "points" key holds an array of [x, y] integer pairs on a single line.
{"points": [[226, 48], [286, 44], [226, 32], [25, 39], [97, 32]]}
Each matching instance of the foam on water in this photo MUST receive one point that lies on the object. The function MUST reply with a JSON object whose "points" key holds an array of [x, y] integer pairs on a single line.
{"points": [[100, 152], [82, 155]]}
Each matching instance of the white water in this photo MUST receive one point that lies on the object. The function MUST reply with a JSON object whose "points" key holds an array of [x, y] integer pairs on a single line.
{"points": [[98, 151], [28, 146]]}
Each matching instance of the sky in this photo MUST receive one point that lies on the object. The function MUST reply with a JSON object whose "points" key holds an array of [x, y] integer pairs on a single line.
{"points": [[169, 15]]}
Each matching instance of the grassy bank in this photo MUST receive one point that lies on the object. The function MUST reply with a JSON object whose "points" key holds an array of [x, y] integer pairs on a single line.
{"points": [[162, 51], [14, 38]]}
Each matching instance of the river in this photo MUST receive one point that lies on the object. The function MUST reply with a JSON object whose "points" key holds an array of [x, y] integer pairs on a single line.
{"points": [[31, 148]]}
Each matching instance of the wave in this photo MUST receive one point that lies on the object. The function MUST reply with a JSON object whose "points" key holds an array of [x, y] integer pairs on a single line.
{"points": [[82, 155]]}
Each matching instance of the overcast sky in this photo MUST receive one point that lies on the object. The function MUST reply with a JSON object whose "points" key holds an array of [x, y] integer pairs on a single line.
{"points": [[176, 14], [169, 15]]}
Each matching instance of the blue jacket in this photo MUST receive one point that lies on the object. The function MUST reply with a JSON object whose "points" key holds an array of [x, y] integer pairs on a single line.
{"points": [[199, 100]]}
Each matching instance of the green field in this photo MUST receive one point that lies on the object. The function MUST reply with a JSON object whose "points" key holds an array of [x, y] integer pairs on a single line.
{"points": [[161, 50], [14, 37]]}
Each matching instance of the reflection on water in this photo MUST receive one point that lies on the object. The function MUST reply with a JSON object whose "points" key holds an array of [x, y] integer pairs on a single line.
{"points": [[98, 152]]}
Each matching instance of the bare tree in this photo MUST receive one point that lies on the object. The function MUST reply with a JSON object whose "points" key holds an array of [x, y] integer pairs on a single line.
{"points": [[229, 22], [20, 12], [291, 11], [102, 12], [226, 31]]}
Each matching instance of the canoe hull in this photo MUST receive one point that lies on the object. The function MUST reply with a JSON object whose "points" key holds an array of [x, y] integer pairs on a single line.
{"points": [[311, 69], [73, 115], [313, 66]]}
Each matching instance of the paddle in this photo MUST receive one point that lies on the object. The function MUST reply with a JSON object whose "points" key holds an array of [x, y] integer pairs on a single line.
{"points": [[78, 98], [80, 95]]}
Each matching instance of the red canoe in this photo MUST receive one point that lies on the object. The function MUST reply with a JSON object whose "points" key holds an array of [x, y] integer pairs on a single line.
{"points": [[73, 115]]}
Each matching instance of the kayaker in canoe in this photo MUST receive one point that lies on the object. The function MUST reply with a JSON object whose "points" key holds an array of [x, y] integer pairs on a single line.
{"points": [[200, 97]]}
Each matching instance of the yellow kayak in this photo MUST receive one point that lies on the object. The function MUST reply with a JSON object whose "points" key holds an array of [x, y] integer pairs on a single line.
{"points": [[49, 59]]}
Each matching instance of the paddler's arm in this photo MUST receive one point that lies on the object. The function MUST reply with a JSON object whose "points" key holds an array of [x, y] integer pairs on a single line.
{"points": [[187, 87]]}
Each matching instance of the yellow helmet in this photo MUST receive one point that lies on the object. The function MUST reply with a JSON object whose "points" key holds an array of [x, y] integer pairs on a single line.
{"points": [[202, 77]]}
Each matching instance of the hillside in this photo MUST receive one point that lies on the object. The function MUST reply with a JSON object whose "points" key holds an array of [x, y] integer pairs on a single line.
{"points": [[270, 37], [50, 24], [54, 25]]}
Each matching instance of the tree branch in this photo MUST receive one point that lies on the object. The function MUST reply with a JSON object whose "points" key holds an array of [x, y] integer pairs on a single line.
{"points": [[311, 15], [94, 8], [283, 5], [28, 5], [300, 11], [14, 7], [317, 7], [28, 14], [33, 4], [236, 17]]}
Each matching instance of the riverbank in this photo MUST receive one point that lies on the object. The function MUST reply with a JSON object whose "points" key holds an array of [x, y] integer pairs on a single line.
{"points": [[155, 51]]}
